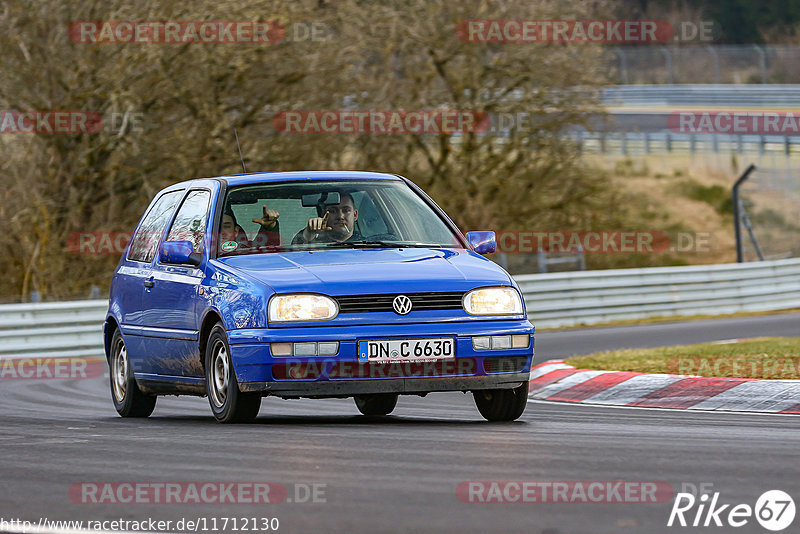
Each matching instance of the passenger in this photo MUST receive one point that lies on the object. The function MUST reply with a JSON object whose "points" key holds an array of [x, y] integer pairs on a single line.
{"points": [[337, 225], [268, 232]]}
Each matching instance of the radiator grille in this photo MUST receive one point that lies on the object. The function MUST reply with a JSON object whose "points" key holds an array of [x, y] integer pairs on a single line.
{"points": [[383, 302]]}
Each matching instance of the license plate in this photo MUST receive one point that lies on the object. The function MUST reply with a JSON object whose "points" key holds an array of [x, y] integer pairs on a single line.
{"points": [[403, 350]]}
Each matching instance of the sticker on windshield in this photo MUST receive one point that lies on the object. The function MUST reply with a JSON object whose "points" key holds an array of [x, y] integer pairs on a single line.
{"points": [[228, 246]]}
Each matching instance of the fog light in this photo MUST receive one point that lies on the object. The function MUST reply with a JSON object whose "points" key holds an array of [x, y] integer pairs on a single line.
{"points": [[281, 349], [328, 348], [305, 349], [501, 342], [520, 341], [481, 343]]}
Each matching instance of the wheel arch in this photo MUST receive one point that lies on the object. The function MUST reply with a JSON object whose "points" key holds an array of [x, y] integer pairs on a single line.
{"points": [[211, 318], [109, 328]]}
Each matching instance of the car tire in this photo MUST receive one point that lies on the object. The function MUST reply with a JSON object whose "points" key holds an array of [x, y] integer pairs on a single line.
{"points": [[502, 404], [228, 404], [129, 400], [376, 403]]}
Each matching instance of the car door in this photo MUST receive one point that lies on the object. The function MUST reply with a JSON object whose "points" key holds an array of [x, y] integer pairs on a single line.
{"points": [[169, 316], [135, 273]]}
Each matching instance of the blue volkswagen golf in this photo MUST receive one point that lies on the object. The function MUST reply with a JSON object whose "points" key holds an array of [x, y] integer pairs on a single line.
{"points": [[311, 284]]}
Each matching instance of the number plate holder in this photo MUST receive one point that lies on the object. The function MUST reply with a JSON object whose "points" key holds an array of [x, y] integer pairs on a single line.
{"points": [[406, 350]]}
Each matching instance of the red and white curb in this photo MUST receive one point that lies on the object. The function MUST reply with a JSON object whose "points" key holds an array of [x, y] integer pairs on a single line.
{"points": [[556, 381]]}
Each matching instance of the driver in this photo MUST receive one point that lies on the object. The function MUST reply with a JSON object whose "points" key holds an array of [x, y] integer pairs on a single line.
{"points": [[337, 225]]}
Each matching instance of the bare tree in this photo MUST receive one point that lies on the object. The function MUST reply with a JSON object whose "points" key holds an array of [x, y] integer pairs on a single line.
{"points": [[169, 111]]}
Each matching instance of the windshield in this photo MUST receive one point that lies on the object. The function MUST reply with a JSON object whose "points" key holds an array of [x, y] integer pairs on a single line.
{"points": [[286, 216]]}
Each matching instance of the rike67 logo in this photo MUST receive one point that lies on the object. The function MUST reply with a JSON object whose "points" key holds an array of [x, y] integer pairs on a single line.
{"points": [[774, 510]]}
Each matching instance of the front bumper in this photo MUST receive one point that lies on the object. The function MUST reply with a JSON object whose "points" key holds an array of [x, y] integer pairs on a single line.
{"points": [[411, 386], [343, 375]]}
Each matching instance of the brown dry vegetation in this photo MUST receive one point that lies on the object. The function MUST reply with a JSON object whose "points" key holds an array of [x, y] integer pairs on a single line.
{"points": [[659, 189], [176, 106], [401, 54]]}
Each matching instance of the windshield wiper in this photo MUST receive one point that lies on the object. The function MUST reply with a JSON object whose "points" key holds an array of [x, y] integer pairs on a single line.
{"points": [[252, 250], [377, 243], [374, 243]]}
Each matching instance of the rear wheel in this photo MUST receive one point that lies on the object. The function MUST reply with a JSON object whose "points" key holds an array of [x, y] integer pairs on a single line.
{"points": [[228, 404], [502, 404], [129, 400], [376, 403]]}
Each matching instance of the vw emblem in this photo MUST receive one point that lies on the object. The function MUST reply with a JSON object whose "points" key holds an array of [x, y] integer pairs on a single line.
{"points": [[401, 304]]}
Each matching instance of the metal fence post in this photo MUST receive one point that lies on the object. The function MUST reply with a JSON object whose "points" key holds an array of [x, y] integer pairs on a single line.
{"points": [[623, 65], [717, 77], [668, 63], [736, 212]]}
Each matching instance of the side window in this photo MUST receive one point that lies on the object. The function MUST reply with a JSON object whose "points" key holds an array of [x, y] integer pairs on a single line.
{"points": [[146, 239], [190, 222], [415, 218]]}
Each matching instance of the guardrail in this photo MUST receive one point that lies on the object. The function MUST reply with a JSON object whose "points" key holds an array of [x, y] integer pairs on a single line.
{"points": [[740, 96], [553, 299], [637, 143], [589, 297], [68, 329]]}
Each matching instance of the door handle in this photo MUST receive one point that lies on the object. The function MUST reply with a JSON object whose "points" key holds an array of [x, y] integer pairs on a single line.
{"points": [[149, 283]]}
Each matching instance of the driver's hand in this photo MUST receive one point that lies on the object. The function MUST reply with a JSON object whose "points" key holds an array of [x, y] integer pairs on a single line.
{"points": [[269, 219], [315, 226]]}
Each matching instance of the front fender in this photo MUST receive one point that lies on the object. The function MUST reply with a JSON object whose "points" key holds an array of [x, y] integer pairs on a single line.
{"points": [[239, 301]]}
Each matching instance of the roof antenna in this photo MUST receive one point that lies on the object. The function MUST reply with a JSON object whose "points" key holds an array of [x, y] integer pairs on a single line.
{"points": [[240, 149]]}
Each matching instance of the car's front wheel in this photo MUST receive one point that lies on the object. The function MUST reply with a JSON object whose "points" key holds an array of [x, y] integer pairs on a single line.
{"points": [[228, 404], [502, 404], [129, 400], [376, 403]]}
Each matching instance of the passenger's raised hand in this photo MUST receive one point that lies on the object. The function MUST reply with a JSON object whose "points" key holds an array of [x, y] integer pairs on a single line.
{"points": [[269, 219]]}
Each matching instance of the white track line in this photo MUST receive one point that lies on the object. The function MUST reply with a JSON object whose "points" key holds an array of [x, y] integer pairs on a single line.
{"points": [[673, 410]]}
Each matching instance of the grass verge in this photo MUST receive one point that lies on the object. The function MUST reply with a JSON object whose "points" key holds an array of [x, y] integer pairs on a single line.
{"points": [[766, 357]]}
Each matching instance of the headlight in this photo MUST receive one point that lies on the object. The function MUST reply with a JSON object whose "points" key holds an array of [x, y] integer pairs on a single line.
{"points": [[284, 308], [493, 301]]}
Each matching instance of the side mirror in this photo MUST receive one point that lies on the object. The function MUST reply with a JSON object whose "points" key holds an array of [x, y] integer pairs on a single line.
{"points": [[482, 242], [179, 253]]}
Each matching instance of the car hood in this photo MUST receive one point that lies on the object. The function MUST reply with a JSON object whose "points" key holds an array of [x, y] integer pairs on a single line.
{"points": [[359, 271]]}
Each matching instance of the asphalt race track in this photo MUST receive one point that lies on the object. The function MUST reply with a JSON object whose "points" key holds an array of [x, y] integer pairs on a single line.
{"points": [[565, 343], [400, 473]]}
